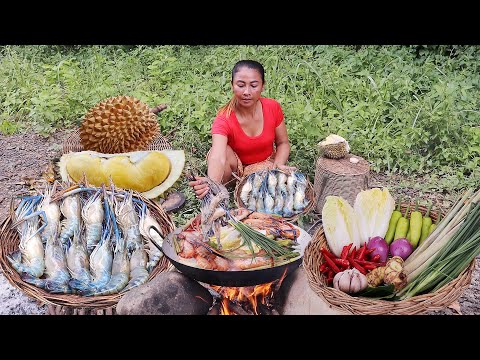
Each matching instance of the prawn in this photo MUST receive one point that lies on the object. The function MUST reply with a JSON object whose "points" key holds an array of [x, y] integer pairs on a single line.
{"points": [[78, 262], [93, 215], [138, 268], [51, 210], [58, 276], [30, 258], [151, 231], [128, 220], [272, 182], [246, 190], [70, 208]]}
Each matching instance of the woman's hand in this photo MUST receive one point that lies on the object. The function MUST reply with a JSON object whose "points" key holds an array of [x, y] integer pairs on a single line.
{"points": [[285, 168], [200, 186]]}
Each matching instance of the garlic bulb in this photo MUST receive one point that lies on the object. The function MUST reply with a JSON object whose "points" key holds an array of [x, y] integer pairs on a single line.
{"points": [[350, 281]]}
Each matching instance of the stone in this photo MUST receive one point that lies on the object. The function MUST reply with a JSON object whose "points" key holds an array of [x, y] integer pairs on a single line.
{"points": [[169, 293], [295, 297]]}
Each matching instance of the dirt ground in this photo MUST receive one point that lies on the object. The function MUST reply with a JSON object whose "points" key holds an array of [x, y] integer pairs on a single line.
{"points": [[26, 157]]}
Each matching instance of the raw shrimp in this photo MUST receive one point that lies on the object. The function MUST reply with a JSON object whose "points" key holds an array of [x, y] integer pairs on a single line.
{"points": [[288, 205], [101, 259], [128, 220], [120, 272], [279, 201], [299, 201], [246, 190], [78, 263], [30, 258], [272, 182], [52, 214], [269, 203], [93, 215], [56, 269], [282, 182], [70, 208], [151, 231], [257, 182], [138, 268], [291, 180]]}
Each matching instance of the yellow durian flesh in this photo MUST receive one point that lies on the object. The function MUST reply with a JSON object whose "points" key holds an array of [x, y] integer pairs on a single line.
{"points": [[89, 165], [142, 176], [148, 172]]}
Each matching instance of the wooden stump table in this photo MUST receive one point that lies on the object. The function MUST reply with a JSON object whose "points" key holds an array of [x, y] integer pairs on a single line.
{"points": [[340, 177]]}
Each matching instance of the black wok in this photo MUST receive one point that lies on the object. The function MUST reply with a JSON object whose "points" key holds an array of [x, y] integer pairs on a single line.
{"points": [[227, 278]]}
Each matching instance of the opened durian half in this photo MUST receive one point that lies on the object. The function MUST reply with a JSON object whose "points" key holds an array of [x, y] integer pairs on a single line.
{"points": [[334, 147], [149, 172], [118, 124]]}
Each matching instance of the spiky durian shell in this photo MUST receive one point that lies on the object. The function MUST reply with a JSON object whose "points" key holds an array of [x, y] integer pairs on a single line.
{"points": [[334, 151], [117, 125]]}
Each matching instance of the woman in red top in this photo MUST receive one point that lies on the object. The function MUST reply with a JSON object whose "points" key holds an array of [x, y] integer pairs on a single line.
{"points": [[246, 129]]}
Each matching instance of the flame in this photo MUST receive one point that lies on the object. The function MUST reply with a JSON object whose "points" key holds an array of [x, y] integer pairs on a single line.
{"points": [[248, 294]]}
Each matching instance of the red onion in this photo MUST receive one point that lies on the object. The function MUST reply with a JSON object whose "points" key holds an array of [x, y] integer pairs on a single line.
{"points": [[401, 247], [381, 247]]}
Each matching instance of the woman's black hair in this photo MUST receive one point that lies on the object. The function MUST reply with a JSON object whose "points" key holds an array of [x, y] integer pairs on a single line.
{"points": [[251, 64]]}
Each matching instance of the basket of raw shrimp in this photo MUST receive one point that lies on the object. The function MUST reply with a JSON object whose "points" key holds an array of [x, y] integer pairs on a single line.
{"points": [[82, 247], [273, 191]]}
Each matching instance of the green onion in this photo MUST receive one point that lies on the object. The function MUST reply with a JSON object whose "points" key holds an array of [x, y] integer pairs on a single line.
{"points": [[251, 236], [451, 259]]}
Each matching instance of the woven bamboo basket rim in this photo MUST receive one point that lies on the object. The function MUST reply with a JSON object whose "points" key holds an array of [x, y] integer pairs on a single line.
{"points": [[72, 143], [9, 241], [309, 195], [415, 305]]}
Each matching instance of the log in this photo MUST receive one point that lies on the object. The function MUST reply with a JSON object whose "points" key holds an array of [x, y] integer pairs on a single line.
{"points": [[340, 177]]}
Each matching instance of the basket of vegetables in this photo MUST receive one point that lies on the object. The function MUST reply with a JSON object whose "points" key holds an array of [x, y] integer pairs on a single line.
{"points": [[422, 260], [273, 191], [82, 247]]}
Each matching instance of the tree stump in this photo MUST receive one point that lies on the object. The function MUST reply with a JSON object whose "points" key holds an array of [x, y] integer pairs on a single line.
{"points": [[339, 177]]}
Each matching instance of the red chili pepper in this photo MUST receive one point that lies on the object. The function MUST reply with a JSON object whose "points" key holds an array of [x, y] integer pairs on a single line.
{"points": [[361, 252], [322, 268], [327, 253], [330, 274], [353, 252], [369, 251], [345, 251], [358, 266], [375, 258], [330, 281], [341, 262], [364, 262], [332, 265], [370, 266]]}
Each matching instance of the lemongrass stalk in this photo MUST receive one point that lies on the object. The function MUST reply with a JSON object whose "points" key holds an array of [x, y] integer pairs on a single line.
{"points": [[468, 212], [444, 227], [422, 260], [451, 260]]}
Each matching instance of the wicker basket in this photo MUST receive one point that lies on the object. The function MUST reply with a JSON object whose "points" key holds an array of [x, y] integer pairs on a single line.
{"points": [[309, 195], [9, 241], [419, 304], [72, 143]]}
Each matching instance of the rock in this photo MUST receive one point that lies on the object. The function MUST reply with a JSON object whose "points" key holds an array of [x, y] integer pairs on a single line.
{"points": [[169, 293], [297, 298]]}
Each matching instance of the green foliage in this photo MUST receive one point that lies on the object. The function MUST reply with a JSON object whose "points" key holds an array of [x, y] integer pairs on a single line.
{"points": [[410, 110]]}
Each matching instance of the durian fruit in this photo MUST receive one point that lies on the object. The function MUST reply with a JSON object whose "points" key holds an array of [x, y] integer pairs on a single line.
{"points": [[117, 125], [149, 172], [334, 147]]}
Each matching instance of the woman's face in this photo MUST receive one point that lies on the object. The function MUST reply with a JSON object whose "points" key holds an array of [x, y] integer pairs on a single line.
{"points": [[247, 86]]}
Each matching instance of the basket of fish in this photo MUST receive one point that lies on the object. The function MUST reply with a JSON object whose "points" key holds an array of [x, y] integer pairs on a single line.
{"points": [[273, 191], [82, 246]]}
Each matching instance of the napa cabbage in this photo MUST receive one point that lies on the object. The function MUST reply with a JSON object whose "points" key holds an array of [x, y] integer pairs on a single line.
{"points": [[339, 224], [373, 208]]}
